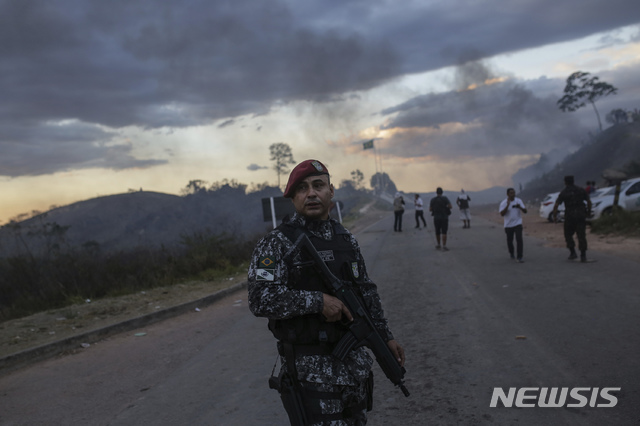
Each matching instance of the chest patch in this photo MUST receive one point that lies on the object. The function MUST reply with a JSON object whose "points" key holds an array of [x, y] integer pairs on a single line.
{"points": [[327, 255]]}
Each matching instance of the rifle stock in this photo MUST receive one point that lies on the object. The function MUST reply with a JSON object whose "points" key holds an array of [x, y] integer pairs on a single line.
{"points": [[362, 331]]}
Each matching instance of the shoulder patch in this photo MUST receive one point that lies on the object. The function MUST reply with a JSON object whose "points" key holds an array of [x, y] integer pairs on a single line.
{"points": [[266, 262], [266, 269]]}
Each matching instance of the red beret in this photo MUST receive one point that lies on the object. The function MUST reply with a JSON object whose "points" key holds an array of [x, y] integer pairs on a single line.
{"points": [[302, 171]]}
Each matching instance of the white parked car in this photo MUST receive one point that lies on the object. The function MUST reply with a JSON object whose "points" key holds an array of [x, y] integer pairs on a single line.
{"points": [[629, 198], [546, 207]]}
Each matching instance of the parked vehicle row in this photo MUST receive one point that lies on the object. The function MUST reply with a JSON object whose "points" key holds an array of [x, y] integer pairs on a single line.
{"points": [[546, 207], [629, 198], [601, 201]]}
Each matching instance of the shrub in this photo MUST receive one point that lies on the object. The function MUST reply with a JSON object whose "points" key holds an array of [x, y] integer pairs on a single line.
{"points": [[30, 284], [620, 222]]}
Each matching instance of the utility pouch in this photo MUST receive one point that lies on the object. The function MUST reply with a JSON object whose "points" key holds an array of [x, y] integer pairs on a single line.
{"points": [[369, 386], [290, 394]]}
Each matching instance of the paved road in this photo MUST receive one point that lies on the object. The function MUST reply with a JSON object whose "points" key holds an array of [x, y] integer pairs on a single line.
{"points": [[457, 313]]}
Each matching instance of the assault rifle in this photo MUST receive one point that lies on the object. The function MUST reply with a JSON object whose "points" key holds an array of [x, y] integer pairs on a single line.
{"points": [[362, 331]]}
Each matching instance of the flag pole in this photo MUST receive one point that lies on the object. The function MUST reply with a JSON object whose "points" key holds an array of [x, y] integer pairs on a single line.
{"points": [[369, 145], [375, 157]]}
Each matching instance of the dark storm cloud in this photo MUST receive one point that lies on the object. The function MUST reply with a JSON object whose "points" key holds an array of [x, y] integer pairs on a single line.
{"points": [[448, 33], [510, 117], [254, 167], [161, 63], [49, 148], [498, 119]]}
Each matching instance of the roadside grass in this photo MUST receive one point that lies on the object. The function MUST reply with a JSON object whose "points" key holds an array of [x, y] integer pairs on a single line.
{"points": [[621, 222], [63, 277], [66, 276], [53, 275]]}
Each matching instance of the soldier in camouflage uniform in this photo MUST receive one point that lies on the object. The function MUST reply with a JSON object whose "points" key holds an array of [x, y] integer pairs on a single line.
{"points": [[305, 319], [575, 216]]}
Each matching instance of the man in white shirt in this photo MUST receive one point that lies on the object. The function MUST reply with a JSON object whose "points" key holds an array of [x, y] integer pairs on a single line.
{"points": [[419, 211], [463, 204], [511, 209]]}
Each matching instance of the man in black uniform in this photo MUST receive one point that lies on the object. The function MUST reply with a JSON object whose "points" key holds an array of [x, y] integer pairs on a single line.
{"points": [[440, 208], [577, 206], [306, 320]]}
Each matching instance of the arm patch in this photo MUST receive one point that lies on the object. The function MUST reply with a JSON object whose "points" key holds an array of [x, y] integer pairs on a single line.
{"points": [[265, 270]]}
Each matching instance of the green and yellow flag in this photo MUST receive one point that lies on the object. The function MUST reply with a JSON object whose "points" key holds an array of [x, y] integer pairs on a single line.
{"points": [[368, 144]]}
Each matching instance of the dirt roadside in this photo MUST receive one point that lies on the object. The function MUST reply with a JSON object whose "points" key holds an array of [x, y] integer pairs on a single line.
{"points": [[552, 233], [57, 324], [54, 325]]}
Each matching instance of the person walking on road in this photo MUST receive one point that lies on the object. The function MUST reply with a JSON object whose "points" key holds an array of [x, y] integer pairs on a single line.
{"points": [[463, 205], [577, 206], [511, 209], [398, 211], [307, 321], [440, 208], [419, 211]]}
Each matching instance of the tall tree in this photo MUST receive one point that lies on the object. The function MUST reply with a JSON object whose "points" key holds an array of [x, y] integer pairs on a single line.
{"points": [[357, 177], [381, 182], [617, 116], [281, 154], [195, 186], [580, 89]]}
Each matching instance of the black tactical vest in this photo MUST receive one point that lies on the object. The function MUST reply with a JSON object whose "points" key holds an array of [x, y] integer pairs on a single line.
{"points": [[340, 258]]}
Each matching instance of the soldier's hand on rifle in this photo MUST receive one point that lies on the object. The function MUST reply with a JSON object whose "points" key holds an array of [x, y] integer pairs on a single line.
{"points": [[397, 350], [333, 309]]}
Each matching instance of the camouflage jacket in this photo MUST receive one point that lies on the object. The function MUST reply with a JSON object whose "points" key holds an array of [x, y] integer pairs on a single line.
{"points": [[277, 298]]}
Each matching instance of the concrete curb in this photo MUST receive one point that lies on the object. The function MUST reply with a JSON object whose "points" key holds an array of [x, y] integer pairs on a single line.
{"points": [[28, 356]]}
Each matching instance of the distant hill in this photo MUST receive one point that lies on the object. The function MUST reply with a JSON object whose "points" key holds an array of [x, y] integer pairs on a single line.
{"points": [[149, 219], [614, 148], [491, 195]]}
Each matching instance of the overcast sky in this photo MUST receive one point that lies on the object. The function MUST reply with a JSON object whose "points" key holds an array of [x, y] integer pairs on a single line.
{"points": [[102, 96]]}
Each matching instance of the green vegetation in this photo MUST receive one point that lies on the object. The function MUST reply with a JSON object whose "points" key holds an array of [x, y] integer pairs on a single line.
{"points": [[64, 276], [620, 222]]}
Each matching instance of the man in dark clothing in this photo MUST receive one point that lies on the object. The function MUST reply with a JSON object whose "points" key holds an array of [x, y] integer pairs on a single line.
{"points": [[575, 216], [419, 211], [398, 211], [306, 320], [440, 208]]}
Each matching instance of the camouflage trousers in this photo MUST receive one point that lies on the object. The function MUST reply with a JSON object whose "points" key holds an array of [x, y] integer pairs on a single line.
{"points": [[333, 405]]}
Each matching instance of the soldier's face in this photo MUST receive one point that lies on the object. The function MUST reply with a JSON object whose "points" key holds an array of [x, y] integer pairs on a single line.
{"points": [[312, 197]]}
